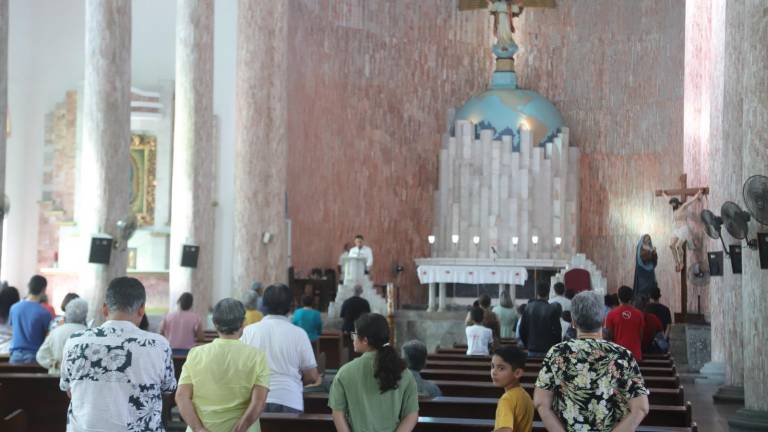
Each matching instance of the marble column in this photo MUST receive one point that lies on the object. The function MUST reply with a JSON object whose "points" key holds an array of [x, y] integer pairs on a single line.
{"points": [[441, 301], [3, 106], [261, 237], [724, 166], [192, 211], [105, 176], [431, 306], [754, 416]]}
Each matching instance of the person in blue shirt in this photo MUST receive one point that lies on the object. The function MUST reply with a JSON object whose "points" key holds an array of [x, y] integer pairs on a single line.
{"points": [[308, 319], [29, 321]]}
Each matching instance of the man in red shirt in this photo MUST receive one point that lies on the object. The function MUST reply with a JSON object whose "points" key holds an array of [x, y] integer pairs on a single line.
{"points": [[625, 324]]}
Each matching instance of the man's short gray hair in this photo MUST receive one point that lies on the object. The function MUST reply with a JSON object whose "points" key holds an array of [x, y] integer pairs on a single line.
{"points": [[125, 294], [76, 311], [415, 354], [228, 316], [358, 290], [251, 299], [587, 311]]}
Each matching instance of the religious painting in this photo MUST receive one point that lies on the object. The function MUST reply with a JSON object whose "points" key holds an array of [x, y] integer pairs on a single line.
{"points": [[131, 258], [143, 165]]}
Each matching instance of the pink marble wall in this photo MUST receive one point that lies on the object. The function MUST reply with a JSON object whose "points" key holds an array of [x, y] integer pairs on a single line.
{"points": [[615, 71], [369, 86]]}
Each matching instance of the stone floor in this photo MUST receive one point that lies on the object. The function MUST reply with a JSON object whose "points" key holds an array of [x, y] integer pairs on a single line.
{"points": [[709, 416]]}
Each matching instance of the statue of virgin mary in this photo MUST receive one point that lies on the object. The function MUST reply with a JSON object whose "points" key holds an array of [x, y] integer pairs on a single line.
{"points": [[645, 267]]}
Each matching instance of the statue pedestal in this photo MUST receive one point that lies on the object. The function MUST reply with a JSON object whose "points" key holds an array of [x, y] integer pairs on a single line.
{"points": [[354, 274]]}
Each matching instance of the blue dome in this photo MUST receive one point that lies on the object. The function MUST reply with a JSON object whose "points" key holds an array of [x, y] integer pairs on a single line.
{"points": [[504, 108]]}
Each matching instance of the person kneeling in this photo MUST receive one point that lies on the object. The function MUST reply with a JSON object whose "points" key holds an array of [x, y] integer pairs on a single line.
{"points": [[514, 411], [224, 384]]}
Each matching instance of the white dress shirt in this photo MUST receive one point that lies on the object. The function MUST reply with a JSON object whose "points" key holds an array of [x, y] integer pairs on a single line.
{"points": [[117, 374], [363, 251], [289, 353], [50, 352]]}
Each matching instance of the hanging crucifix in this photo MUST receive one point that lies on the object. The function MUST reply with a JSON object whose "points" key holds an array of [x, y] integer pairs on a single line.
{"points": [[682, 234]]}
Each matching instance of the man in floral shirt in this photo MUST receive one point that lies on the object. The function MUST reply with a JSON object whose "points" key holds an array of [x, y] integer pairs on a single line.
{"points": [[588, 384], [116, 373]]}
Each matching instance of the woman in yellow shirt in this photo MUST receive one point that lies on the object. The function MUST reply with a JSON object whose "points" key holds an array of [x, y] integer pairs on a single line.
{"points": [[223, 385], [252, 312]]}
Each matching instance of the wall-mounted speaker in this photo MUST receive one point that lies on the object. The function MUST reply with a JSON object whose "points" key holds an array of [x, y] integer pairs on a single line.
{"points": [[762, 248], [101, 250], [189, 254], [735, 253], [715, 260]]}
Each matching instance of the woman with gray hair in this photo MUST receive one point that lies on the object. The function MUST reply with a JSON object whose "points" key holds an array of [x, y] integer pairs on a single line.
{"points": [[588, 383], [223, 384], [252, 300], [52, 350]]}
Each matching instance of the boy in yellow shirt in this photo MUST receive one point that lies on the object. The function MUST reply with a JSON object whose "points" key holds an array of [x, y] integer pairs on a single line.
{"points": [[514, 412]]}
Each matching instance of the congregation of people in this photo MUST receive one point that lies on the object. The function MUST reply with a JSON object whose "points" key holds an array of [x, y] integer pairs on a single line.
{"points": [[264, 358]]}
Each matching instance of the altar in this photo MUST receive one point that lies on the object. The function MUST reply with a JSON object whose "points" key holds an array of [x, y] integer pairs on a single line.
{"points": [[437, 273]]}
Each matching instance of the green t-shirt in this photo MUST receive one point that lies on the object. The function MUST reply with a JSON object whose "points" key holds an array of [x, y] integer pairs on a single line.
{"points": [[355, 391], [222, 374]]}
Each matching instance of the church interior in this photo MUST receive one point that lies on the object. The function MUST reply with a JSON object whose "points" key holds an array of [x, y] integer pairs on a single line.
{"points": [[418, 154]]}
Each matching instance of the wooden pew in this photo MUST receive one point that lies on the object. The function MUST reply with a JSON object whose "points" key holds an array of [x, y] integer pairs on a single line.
{"points": [[464, 357], [528, 377], [645, 355], [15, 422], [22, 368], [273, 422], [41, 399], [658, 396], [532, 367], [468, 407]]}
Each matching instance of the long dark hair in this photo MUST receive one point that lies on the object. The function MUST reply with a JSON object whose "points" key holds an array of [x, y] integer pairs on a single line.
{"points": [[389, 366]]}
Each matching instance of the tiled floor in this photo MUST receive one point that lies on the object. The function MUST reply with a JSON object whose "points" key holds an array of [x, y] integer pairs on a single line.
{"points": [[709, 416]]}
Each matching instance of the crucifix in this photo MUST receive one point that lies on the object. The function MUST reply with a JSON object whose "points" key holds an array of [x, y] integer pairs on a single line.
{"points": [[682, 234]]}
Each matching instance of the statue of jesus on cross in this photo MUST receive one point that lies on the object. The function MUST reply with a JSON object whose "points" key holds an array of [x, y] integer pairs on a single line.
{"points": [[681, 234]]}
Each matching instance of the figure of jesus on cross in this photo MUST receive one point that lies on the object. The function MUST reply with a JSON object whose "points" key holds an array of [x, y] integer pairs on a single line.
{"points": [[680, 214]]}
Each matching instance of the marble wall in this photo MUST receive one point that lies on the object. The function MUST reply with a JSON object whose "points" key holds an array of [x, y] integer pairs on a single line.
{"points": [[615, 71], [369, 86]]}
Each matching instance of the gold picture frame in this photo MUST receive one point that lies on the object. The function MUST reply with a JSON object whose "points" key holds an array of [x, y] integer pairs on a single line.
{"points": [[143, 167]]}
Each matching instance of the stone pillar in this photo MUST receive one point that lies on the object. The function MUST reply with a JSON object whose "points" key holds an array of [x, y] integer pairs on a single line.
{"points": [[431, 306], [724, 166], [3, 106], [105, 177], [192, 212], [441, 301], [260, 247], [754, 416]]}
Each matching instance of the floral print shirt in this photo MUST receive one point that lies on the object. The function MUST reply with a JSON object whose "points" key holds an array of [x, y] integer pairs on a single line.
{"points": [[592, 381], [116, 374]]}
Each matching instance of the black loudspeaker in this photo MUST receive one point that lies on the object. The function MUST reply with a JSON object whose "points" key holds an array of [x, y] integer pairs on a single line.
{"points": [[101, 250], [715, 260], [189, 255], [735, 252], [762, 248]]}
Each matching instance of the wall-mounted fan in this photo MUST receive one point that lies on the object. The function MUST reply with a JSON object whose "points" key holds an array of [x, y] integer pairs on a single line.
{"points": [[124, 229], [755, 193], [698, 274], [736, 222], [713, 226]]}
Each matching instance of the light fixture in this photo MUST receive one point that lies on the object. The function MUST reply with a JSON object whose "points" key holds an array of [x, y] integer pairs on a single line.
{"points": [[476, 239], [266, 237], [535, 239], [515, 240], [524, 125], [454, 238], [431, 239], [558, 241]]}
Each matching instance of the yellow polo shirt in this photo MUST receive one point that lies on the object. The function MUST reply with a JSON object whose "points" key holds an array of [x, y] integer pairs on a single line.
{"points": [[515, 411], [222, 374]]}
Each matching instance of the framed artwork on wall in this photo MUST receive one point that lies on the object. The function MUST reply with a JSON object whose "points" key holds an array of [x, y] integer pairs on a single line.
{"points": [[143, 166]]}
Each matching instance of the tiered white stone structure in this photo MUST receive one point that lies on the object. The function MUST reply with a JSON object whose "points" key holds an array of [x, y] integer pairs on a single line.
{"points": [[354, 274], [490, 191], [580, 261]]}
